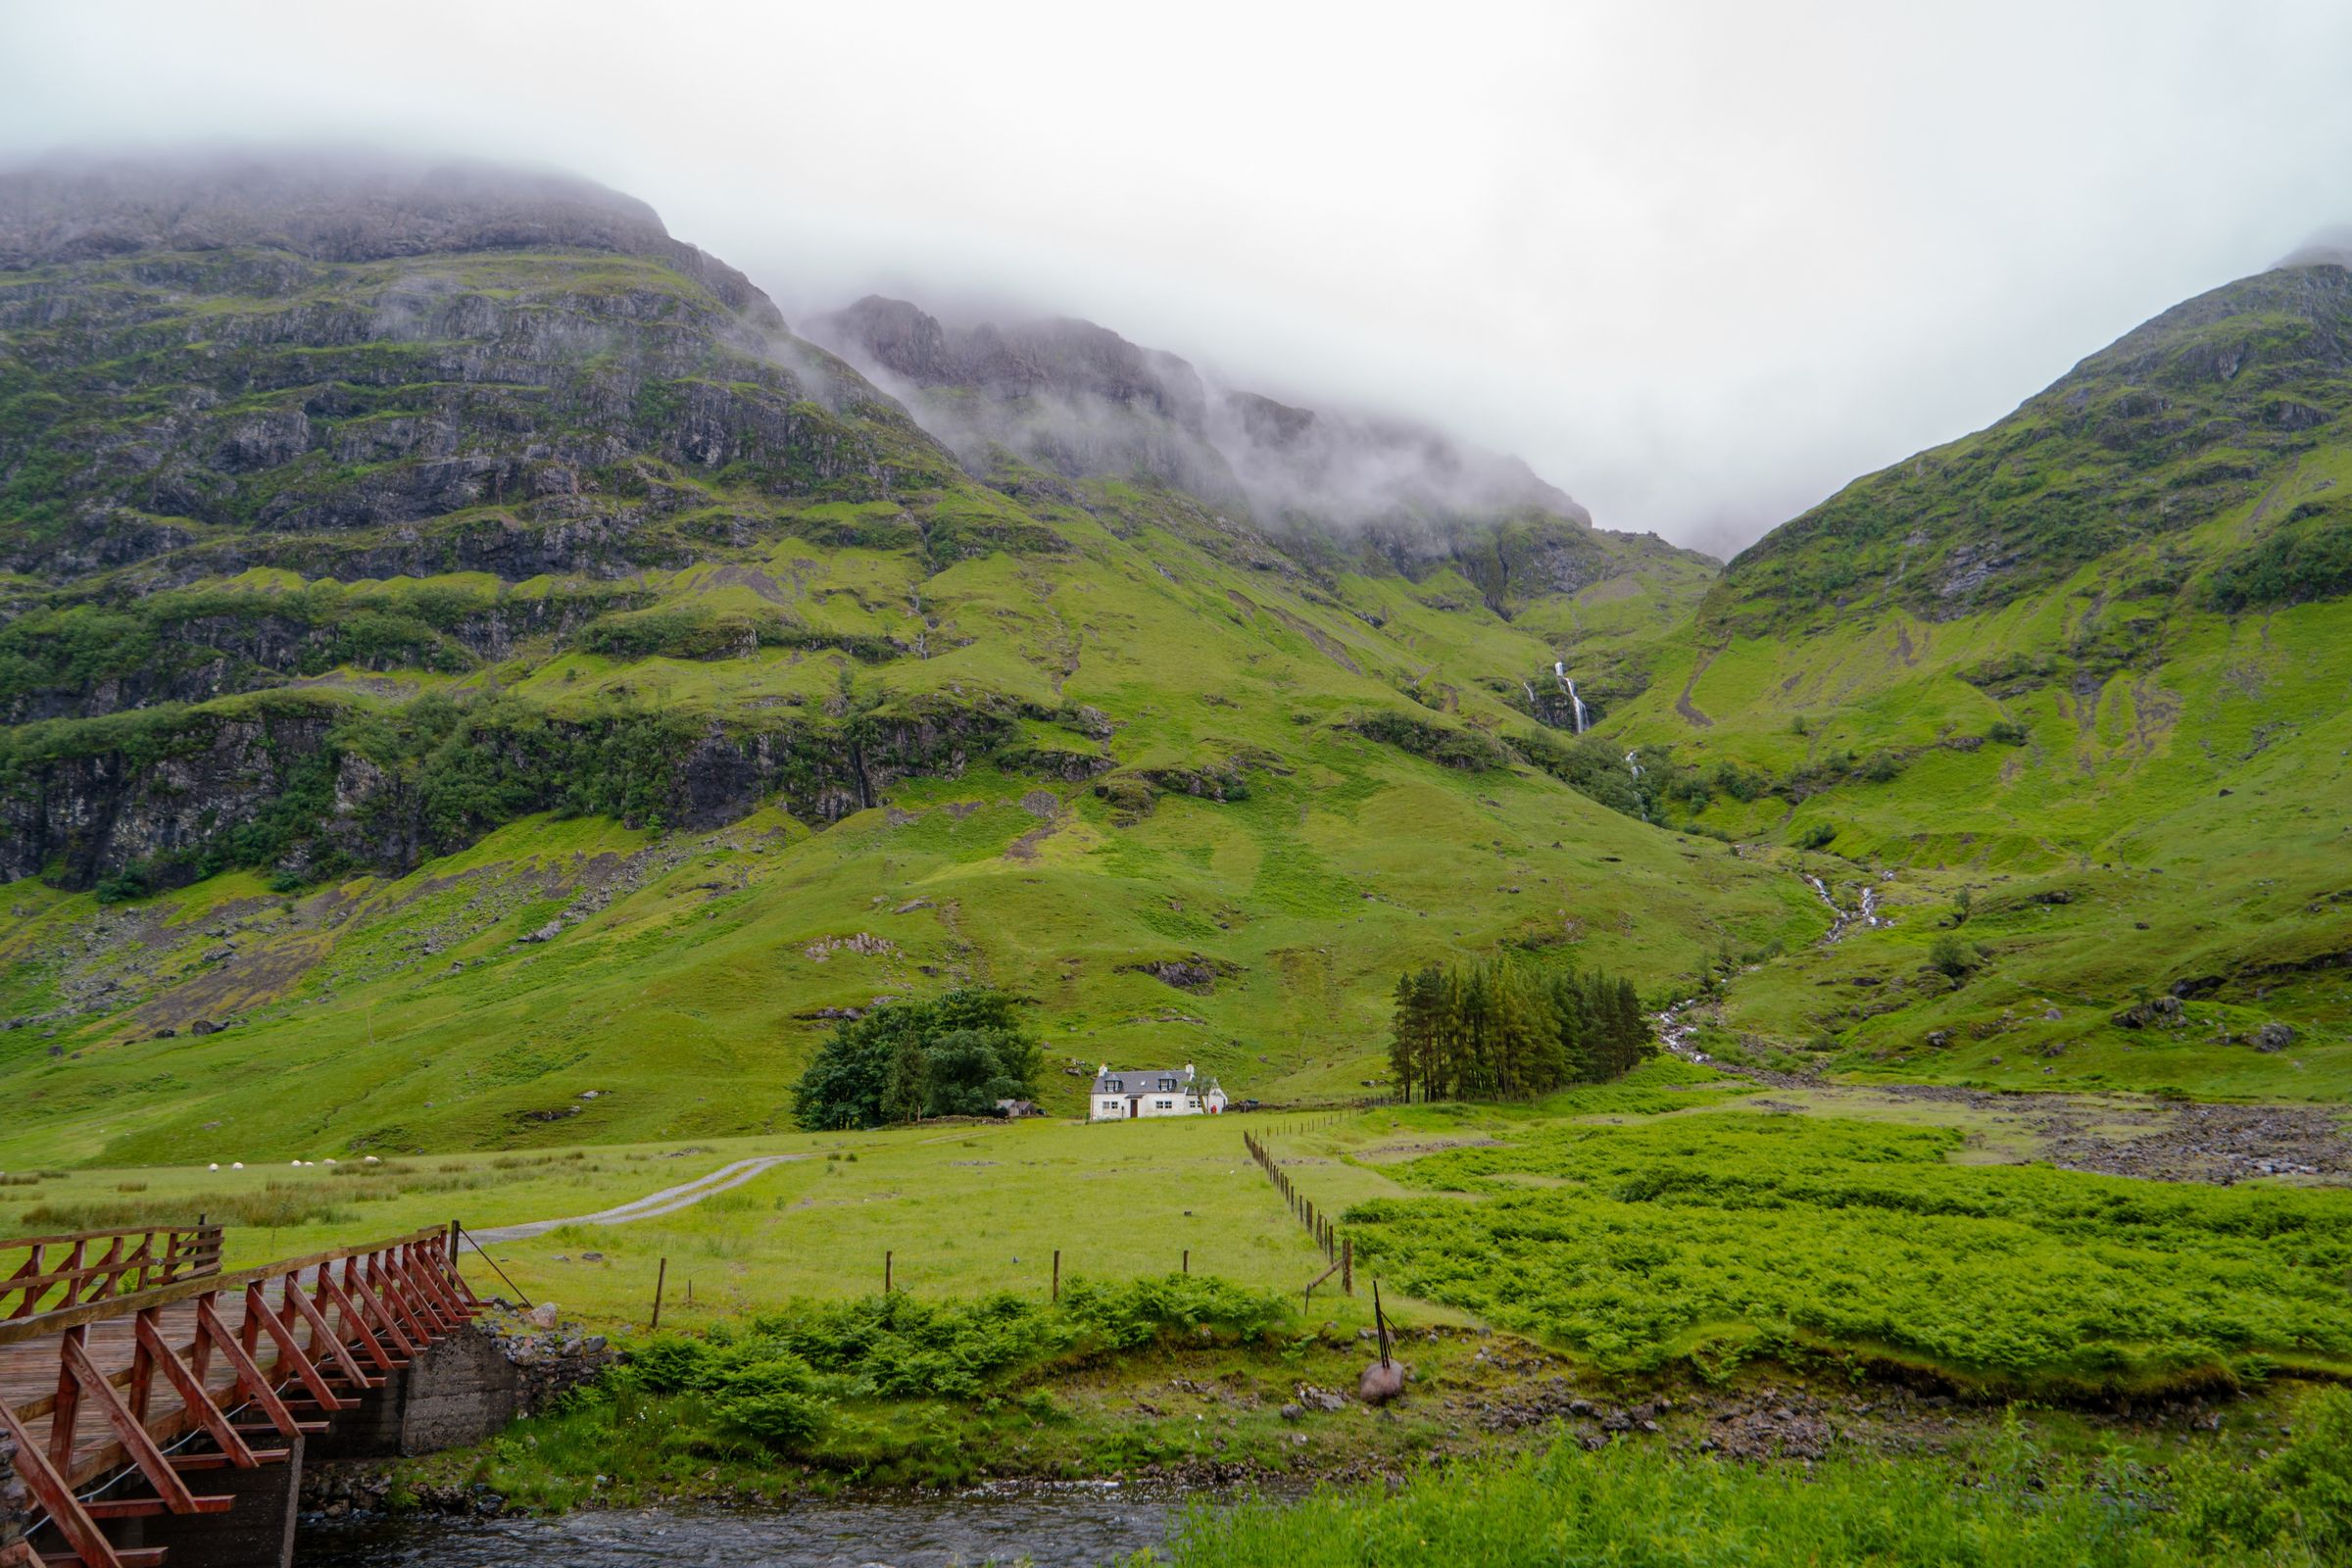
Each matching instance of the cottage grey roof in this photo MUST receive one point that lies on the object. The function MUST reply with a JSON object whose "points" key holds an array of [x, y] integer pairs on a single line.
{"points": [[1144, 1081]]}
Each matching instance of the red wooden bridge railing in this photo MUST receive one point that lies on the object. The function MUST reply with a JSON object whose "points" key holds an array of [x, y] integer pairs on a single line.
{"points": [[114, 1401], [57, 1272]]}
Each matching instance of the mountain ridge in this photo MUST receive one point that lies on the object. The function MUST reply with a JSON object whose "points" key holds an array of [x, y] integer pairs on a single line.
{"points": [[447, 638], [2176, 422]]}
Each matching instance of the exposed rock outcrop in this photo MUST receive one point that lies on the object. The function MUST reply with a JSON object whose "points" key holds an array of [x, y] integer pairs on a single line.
{"points": [[183, 794]]}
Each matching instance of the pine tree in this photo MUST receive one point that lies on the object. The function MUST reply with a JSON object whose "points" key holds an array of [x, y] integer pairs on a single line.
{"points": [[1404, 1038], [1568, 1046], [1429, 1005], [1474, 1035], [1632, 1029]]}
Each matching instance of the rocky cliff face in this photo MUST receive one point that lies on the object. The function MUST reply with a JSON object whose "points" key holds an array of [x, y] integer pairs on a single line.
{"points": [[315, 790], [519, 412]]}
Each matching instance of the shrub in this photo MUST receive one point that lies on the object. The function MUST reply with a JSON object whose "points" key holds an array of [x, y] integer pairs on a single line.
{"points": [[2299, 1496], [1955, 957], [673, 1364], [1140, 1312], [1742, 784], [774, 1381], [121, 887], [2309, 557], [785, 1421]]}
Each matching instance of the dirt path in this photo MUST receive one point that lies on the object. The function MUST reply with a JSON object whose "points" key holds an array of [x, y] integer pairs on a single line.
{"points": [[669, 1201]]}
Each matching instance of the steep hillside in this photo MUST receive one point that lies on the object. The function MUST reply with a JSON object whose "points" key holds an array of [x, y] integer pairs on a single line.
{"points": [[1338, 493], [2228, 407], [458, 639], [2088, 668]]}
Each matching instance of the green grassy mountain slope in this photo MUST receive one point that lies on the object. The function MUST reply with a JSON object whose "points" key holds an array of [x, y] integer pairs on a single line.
{"points": [[2090, 668], [2194, 459], [485, 661]]}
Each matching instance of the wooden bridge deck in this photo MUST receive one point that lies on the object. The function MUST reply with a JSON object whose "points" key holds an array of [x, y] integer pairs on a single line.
{"points": [[29, 1377]]}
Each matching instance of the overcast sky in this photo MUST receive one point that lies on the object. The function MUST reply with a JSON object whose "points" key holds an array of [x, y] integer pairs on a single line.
{"points": [[1698, 264]]}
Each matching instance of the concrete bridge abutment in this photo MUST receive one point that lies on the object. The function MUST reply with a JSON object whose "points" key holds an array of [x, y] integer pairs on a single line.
{"points": [[459, 1389]]}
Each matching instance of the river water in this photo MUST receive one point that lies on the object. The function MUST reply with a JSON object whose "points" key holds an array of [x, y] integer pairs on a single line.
{"points": [[1053, 1527]]}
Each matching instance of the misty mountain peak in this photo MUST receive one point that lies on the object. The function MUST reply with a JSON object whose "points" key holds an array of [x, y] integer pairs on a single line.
{"points": [[1053, 357], [1084, 401], [330, 207]]}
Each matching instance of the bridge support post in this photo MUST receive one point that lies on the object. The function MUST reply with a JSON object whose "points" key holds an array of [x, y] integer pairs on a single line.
{"points": [[257, 1533]]}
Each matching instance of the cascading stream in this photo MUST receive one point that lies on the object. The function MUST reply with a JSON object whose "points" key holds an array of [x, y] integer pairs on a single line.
{"points": [[1559, 670], [1866, 913]]}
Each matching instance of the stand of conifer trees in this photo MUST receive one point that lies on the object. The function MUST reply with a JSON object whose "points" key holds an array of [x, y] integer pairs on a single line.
{"points": [[1496, 1031]]}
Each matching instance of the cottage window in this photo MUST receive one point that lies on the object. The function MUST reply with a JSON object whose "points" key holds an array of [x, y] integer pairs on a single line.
{"points": [[1165, 1105]]}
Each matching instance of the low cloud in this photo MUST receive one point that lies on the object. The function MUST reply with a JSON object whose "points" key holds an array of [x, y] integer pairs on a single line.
{"points": [[1080, 400]]}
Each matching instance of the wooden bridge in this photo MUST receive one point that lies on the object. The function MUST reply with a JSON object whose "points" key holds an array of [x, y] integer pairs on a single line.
{"points": [[139, 1383]]}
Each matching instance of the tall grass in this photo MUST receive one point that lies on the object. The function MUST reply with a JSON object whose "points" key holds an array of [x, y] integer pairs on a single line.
{"points": [[279, 1205], [1719, 1232], [1630, 1506]]}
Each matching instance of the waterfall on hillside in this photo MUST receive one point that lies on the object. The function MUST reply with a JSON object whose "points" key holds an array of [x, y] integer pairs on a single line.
{"points": [[1529, 687], [1631, 763], [1865, 912], [1559, 670]]}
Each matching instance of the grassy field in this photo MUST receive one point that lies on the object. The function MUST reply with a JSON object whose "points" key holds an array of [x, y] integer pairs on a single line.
{"points": [[964, 1211], [1662, 1223]]}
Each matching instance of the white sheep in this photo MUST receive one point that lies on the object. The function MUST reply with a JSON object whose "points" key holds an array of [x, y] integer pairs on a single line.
{"points": [[214, 1165], [236, 1165]]}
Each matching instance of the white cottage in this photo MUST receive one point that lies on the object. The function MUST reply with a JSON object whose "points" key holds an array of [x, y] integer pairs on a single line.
{"points": [[1125, 1095]]}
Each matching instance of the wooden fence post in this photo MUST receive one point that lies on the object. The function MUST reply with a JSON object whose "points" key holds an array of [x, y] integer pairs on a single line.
{"points": [[660, 1277], [886, 1271], [1058, 1273], [1348, 1265], [1187, 1260]]}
